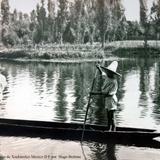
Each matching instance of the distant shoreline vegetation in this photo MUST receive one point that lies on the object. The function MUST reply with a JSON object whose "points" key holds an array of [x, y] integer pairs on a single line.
{"points": [[81, 51], [138, 52], [76, 22], [53, 51], [136, 48]]}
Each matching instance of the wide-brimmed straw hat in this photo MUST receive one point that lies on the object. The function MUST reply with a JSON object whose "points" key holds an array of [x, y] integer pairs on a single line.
{"points": [[112, 67]]}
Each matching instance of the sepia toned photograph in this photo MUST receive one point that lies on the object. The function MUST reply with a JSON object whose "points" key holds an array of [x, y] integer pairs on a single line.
{"points": [[79, 79]]}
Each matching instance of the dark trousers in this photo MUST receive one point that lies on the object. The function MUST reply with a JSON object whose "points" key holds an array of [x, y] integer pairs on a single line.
{"points": [[111, 120]]}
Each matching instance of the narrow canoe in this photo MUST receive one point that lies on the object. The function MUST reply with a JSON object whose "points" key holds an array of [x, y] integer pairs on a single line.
{"points": [[73, 131]]}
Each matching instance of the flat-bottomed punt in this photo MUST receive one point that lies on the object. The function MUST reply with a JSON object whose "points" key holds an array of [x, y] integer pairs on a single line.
{"points": [[73, 131]]}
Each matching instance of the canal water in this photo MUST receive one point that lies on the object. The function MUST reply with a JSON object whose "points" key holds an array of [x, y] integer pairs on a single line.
{"points": [[54, 91]]}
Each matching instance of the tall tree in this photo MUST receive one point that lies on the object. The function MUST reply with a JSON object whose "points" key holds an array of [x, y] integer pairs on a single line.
{"points": [[0, 24], [62, 18], [37, 34], [51, 8], [83, 22], [20, 16], [143, 11], [90, 19], [40, 34], [78, 23], [33, 19], [33, 23], [73, 17], [21, 27], [143, 19], [42, 19], [103, 18], [118, 20], [51, 20], [155, 15], [15, 15], [5, 19], [5, 12]]}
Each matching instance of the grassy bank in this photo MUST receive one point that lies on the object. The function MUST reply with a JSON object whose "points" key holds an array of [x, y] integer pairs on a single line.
{"points": [[133, 44], [137, 52], [134, 48], [81, 51], [52, 51]]}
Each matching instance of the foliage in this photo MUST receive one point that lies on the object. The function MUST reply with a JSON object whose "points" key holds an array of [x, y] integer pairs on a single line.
{"points": [[79, 21], [139, 51], [103, 18], [37, 35], [143, 11], [9, 36], [155, 17], [41, 19], [5, 12], [62, 19]]}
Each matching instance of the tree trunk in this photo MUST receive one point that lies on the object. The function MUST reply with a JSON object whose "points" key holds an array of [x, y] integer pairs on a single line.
{"points": [[91, 38], [103, 40], [145, 41], [146, 29], [61, 38]]}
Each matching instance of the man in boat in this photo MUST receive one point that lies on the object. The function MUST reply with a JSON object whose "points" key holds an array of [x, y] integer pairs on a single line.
{"points": [[109, 90]]}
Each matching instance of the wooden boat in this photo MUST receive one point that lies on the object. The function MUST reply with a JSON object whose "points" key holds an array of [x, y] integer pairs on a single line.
{"points": [[73, 131]]}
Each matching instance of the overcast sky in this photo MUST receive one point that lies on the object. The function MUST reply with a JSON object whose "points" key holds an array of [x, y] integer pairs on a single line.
{"points": [[131, 7]]}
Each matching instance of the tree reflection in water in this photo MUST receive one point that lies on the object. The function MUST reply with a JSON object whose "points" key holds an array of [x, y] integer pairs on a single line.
{"points": [[156, 94], [61, 103], [103, 151]]}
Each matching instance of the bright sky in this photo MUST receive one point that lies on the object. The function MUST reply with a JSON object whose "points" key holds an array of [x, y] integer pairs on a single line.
{"points": [[25, 6], [131, 7]]}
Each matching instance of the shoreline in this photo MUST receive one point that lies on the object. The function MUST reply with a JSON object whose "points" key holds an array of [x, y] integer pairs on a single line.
{"points": [[60, 60], [87, 52]]}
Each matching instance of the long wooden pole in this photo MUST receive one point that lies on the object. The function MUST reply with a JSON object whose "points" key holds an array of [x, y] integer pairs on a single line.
{"points": [[88, 104]]}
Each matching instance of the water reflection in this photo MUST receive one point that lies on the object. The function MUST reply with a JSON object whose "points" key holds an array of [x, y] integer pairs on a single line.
{"points": [[25, 146], [156, 93], [103, 152], [144, 86], [59, 92], [79, 87], [135, 93]]}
